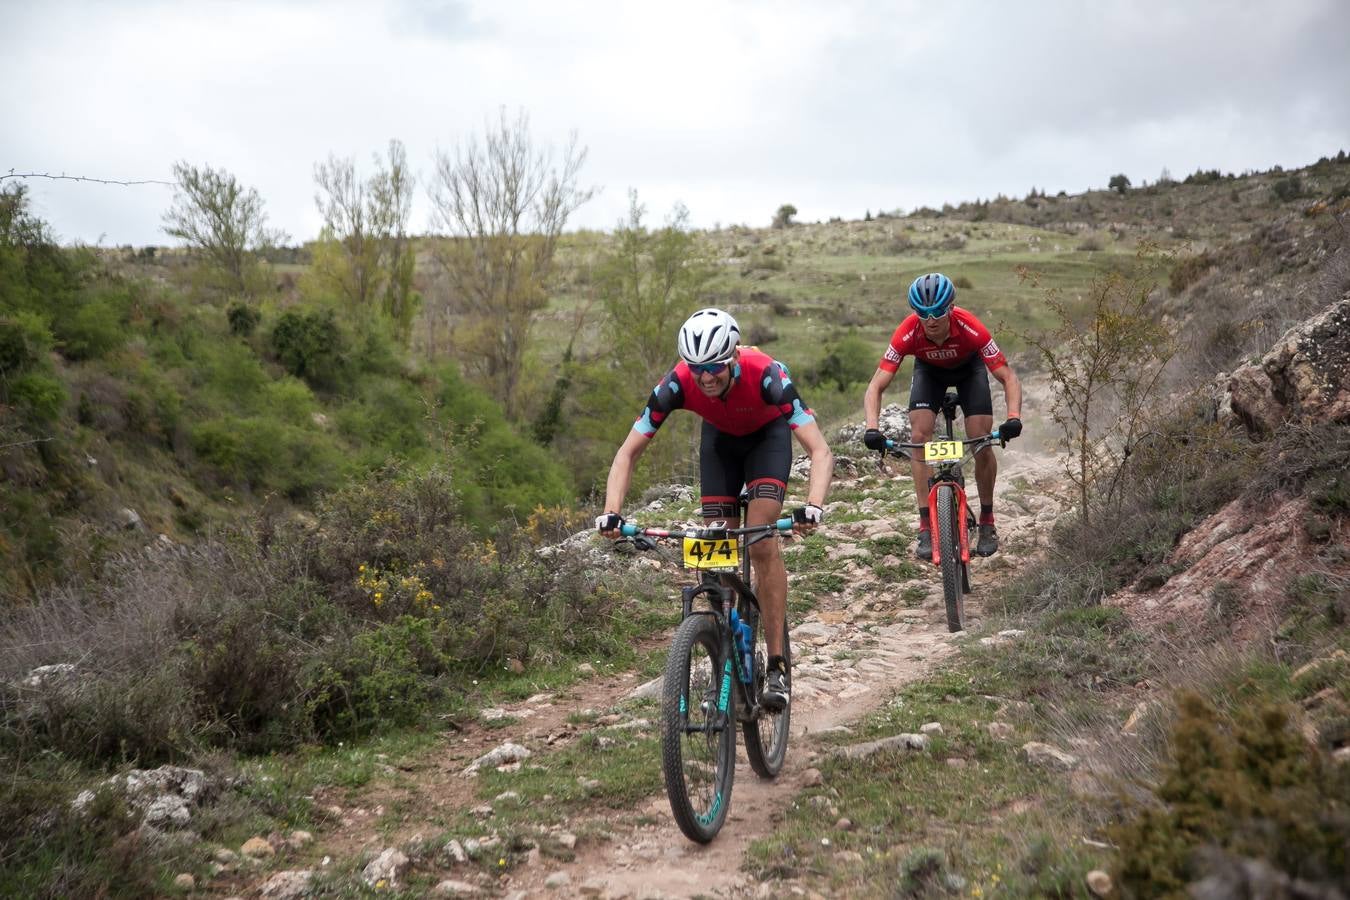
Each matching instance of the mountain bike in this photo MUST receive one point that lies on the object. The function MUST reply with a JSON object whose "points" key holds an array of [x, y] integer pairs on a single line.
{"points": [[714, 676], [948, 507]]}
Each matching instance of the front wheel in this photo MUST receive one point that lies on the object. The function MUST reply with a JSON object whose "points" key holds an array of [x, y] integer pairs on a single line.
{"points": [[949, 547], [766, 735], [698, 736]]}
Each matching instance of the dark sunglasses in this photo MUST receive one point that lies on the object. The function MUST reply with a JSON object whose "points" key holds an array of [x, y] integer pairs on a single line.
{"points": [[708, 368]]}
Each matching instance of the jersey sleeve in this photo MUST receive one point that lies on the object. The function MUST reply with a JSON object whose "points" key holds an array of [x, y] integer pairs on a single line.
{"points": [[666, 397], [901, 345], [778, 390], [989, 352]]}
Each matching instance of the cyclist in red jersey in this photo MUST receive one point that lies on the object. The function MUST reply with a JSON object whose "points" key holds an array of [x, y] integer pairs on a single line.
{"points": [[750, 409], [948, 344]]}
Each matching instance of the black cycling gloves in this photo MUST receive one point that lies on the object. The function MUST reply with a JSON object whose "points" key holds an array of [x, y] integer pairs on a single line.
{"points": [[1010, 429], [808, 514], [608, 522], [874, 439]]}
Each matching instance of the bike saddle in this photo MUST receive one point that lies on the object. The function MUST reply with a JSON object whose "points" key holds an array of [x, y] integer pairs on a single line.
{"points": [[949, 404]]}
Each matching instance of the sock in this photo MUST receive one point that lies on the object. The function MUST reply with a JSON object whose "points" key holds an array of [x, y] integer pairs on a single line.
{"points": [[777, 662], [986, 514], [923, 518]]}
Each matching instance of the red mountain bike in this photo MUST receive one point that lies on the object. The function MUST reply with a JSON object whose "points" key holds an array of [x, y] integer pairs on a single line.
{"points": [[948, 507]]}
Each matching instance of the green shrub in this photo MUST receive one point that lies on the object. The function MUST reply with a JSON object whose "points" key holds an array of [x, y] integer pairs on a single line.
{"points": [[38, 396], [24, 343], [499, 473], [243, 318], [311, 346], [259, 453], [848, 360], [387, 675], [93, 329], [1248, 784], [1287, 188], [1190, 270]]}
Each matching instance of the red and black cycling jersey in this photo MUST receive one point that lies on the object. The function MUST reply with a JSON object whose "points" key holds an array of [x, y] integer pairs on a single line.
{"points": [[760, 392], [966, 337]]}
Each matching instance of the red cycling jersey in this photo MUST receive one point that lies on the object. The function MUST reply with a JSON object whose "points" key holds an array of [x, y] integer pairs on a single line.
{"points": [[966, 337], [760, 392]]}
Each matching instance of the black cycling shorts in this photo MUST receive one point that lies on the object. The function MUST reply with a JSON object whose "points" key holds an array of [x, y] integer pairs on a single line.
{"points": [[971, 380], [758, 461]]}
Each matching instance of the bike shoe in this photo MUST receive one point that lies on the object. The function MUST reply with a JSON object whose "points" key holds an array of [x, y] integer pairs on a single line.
{"points": [[774, 697], [987, 545], [924, 550]]}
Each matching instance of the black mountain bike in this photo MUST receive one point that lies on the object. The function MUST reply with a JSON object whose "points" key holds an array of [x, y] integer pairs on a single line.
{"points": [[948, 507], [714, 677]]}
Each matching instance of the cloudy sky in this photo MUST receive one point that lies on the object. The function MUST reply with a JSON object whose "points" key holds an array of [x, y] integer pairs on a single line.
{"points": [[731, 108]]}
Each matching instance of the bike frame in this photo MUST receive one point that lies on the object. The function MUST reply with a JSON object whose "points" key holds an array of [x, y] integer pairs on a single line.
{"points": [[722, 589], [949, 472]]}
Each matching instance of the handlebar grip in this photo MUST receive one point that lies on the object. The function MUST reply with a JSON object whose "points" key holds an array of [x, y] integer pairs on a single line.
{"points": [[995, 436], [784, 524], [628, 530]]}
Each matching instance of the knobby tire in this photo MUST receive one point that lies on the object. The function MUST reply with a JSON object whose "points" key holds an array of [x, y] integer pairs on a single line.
{"points": [[698, 766], [949, 544], [766, 738]]}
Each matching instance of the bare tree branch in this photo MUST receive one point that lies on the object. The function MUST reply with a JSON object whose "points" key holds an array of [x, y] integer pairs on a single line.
{"points": [[64, 177]]}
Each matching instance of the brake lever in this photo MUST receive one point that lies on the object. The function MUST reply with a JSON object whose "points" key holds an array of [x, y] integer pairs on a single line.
{"points": [[644, 543]]}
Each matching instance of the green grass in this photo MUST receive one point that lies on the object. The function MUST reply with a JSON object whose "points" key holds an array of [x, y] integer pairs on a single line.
{"points": [[987, 821]]}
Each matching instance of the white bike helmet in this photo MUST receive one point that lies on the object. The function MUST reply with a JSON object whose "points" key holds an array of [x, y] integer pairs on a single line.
{"points": [[709, 336]]}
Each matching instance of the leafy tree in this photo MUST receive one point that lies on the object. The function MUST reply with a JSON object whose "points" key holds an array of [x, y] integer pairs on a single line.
{"points": [[783, 218], [648, 284], [504, 202], [368, 221], [220, 218], [1119, 183]]}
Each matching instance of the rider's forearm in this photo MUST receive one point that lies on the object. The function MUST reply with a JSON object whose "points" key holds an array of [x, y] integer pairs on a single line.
{"points": [[1012, 392], [822, 470], [871, 406], [616, 488], [620, 475]]}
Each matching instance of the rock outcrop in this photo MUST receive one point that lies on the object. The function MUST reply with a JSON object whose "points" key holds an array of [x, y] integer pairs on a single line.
{"points": [[1305, 377]]}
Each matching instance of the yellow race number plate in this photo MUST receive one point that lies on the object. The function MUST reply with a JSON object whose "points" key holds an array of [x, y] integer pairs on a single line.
{"points": [[942, 451], [719, 554]]}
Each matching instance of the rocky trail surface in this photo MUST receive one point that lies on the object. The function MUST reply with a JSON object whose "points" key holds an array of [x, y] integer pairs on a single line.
{"points": [[852, 650]]}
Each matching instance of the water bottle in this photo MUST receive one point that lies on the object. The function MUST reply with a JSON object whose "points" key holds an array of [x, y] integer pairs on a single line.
{"points": [[742, 632]]}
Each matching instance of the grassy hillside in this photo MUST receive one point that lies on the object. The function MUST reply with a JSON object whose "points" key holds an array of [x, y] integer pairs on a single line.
{"points": [[349, 522]]}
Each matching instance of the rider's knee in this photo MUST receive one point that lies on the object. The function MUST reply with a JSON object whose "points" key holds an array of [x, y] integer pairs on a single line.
{"points": [[765, 553]]}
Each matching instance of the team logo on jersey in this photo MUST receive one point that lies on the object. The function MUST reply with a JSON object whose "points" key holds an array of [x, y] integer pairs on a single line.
{"points": [[942, 353], [892, 355], [990, 350]]}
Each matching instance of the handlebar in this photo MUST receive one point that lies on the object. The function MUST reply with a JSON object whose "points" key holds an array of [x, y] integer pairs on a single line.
{"points": [[704, 533], [972, 445]]}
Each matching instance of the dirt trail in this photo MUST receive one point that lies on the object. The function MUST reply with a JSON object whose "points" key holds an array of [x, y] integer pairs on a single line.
{"points": [[901, 645], [850, 655]]}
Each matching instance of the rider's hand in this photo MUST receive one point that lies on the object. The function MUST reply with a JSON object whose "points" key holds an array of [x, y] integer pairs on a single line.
{"points": [[874, 439], [806, 518], [608, 524], [1010, 429]]}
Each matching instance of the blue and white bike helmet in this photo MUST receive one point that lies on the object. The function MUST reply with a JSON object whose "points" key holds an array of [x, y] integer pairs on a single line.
{"points": [[932, 295], [708, 337]]}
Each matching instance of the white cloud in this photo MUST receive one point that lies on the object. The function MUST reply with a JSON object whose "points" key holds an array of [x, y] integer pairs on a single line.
{"points": [[733, 108]]}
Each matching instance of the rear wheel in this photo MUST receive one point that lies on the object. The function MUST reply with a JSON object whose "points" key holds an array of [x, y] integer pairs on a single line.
{"points": [[698, 737], [766, 736], [949, 546]]}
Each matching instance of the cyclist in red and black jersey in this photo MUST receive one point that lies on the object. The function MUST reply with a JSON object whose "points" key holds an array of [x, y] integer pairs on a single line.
{"points": [[750, 409], [951, 348]]}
